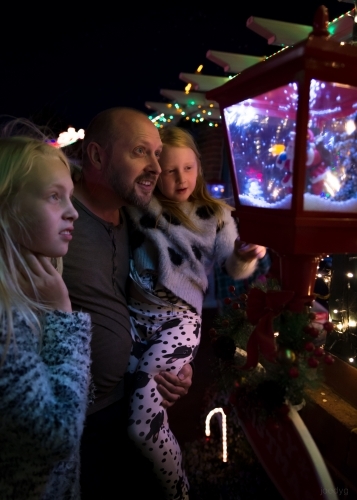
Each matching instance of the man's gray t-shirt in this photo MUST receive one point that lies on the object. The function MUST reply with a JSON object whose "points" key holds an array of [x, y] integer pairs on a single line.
{"points": [[96, 269]]}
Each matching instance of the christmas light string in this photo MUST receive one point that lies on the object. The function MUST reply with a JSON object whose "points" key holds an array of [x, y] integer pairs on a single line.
{"points": [[223, 422]]}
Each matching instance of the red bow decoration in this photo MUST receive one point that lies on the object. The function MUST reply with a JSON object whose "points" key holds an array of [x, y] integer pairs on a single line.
{"points": [[262, 308]]}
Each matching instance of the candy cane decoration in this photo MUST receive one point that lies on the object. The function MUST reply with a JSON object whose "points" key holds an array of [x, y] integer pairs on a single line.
{"points": [[223, 429]]}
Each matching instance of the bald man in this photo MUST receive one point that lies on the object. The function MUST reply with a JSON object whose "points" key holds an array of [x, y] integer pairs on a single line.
{"points": [[120, 167]]}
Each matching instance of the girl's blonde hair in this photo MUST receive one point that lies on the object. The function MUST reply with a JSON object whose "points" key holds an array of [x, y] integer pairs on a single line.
{"points": [[18, 155], [179, 138]]}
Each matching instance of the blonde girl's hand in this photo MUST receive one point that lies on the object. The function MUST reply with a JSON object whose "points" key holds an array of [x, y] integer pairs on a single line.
{"points": [[47, 281], [248, 251]]}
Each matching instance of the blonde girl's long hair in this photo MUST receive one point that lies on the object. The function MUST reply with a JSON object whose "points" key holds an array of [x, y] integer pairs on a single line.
{"points": [[18, 155], [179, 138]]}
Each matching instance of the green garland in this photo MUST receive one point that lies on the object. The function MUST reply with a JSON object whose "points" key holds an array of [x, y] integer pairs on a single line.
{"points": [[298, 366], [298, 363]]}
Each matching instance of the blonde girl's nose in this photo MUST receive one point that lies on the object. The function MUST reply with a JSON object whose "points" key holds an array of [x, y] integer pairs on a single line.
{"points": [[180, 177], [71, 212], [75, 214]]}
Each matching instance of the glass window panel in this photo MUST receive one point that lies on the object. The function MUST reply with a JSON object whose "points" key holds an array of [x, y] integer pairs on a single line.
{"points": [[331, 156], [261, 135]]}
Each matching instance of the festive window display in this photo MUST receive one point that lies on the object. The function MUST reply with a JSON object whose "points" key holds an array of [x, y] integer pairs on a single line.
{"points": [[290, 132], [262, 135]]}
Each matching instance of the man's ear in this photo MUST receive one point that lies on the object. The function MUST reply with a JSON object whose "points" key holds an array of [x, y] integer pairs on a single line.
{"points": [[96, 155]]}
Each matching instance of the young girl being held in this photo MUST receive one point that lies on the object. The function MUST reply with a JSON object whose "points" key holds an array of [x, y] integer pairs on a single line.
{"points": [[44, 346], [174, 244]]}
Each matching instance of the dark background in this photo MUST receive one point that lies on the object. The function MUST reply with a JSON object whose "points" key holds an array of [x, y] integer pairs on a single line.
{"points": [[60, 65]]}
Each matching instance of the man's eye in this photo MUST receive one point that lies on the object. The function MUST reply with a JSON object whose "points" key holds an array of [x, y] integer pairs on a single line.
{"points": [[157, 154], [140, 150]]}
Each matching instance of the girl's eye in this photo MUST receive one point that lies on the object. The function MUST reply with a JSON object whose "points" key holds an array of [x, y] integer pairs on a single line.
{"points": [[54, 196]]}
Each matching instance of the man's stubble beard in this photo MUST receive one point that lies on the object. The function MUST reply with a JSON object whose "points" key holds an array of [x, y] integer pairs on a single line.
{"points": [[125, 193]]}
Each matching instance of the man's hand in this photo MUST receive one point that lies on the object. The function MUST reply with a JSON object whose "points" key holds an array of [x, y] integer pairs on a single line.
{"points": [[172, 387]]}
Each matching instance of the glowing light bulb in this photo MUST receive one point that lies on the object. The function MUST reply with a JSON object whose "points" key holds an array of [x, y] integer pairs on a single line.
{"points": [[69, 137], [158, 117], [350, 127], [223, 423]]}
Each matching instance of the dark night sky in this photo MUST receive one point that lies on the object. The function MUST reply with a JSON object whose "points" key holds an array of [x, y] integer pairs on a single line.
{"points": [[63, 67]]}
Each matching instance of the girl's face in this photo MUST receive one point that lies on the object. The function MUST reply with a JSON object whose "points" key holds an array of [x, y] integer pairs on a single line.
{"points": [[179, 166], [45, 208]]}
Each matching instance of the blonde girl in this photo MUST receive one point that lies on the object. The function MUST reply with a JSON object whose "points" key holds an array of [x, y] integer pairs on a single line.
{"points": [[44, 346], [174, 245]]}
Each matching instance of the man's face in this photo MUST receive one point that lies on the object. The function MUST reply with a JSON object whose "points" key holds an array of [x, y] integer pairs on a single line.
{"points": [[133, 166]]}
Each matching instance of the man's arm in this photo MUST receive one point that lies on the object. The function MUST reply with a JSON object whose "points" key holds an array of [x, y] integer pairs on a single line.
{"points": [[172, 387]]}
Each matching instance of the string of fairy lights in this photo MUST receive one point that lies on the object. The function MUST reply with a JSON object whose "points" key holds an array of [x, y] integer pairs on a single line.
{"points": [[201, 113], [68, 137], [190, 111], [197, 113], [223, 425]]}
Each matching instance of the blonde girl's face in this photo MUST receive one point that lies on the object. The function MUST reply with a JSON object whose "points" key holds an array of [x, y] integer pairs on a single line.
{"points": [[178, 177], [45, 208]]}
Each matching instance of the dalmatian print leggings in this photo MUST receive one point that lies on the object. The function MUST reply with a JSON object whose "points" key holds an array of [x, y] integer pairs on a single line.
{"points": [[164, 338]]}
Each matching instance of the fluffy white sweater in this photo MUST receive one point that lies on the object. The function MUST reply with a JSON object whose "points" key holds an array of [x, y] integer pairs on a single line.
{"points": [[182, 258]]}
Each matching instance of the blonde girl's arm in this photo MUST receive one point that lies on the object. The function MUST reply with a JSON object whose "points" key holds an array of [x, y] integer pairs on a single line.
{"points": [[239, 259], [248, 251]]}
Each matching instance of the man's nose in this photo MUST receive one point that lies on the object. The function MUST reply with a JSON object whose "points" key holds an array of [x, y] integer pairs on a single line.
{"points": [[154, 166]]}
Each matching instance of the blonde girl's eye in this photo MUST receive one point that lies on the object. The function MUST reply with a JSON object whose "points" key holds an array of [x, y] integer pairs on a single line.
{"points": [[54, 196]]}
